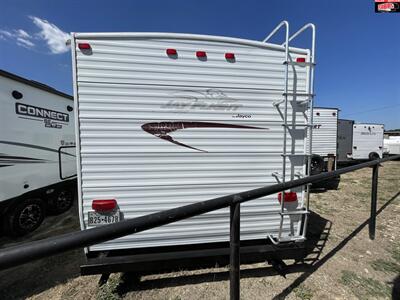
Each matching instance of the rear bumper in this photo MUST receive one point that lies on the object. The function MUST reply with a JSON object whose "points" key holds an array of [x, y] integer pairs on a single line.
{"points": [[168, 259]]}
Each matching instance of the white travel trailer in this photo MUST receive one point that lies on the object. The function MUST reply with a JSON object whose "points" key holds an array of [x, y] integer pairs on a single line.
{"points": [[367, 141], [391, 145], [37, 154], [164, 120], [324, 147]]}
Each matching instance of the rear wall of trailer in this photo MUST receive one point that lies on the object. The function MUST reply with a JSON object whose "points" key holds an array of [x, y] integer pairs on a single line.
{"points": [[367, 139], [159, 131], [324, 141]]}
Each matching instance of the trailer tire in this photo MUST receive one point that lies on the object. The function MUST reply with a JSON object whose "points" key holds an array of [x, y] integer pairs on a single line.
{"points": [[62, 201], [333, 184], [317, 164], [25, 217], [373, 156]]}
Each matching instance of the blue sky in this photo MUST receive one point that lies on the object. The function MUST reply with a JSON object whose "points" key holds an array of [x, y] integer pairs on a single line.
{"points": [[357, 63]]}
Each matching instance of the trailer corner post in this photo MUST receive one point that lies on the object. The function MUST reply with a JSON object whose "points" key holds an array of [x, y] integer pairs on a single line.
{"points": [[234, 268], [374, 193]]}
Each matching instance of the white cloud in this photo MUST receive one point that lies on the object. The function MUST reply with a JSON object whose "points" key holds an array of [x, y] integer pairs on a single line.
{"points": [[21, 37], [23, 34], [24, 42], [49, 33], [54, 37], [5, 33]]}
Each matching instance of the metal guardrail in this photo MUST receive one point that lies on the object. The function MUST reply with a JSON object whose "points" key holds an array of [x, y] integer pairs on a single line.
{"points": [[24, 253]]}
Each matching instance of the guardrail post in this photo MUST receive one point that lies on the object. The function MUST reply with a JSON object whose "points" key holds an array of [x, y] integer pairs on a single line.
{"points": [[234, 271], [374, 193]]}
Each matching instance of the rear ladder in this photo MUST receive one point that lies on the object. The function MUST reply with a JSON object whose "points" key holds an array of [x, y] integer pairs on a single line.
{"points": [[307, 101]]}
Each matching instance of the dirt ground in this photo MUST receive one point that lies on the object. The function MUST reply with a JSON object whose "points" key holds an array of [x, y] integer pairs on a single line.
{"points": [[345, 265]]}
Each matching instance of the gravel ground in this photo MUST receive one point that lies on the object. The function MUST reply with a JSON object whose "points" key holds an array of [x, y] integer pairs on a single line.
{"points": [[350, 265]]}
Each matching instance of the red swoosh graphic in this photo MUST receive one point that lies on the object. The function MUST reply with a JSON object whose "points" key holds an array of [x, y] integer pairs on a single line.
{"points": [[162, 129]]}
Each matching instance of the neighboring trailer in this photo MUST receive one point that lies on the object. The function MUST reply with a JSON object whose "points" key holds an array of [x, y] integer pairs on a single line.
{"points": [[324, 141], [391, 145], [165, 120], [36, 121], [324, 145], [344, 140], [367, 141]]}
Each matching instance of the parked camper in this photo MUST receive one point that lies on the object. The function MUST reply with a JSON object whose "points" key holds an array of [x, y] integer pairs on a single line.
{"points": [[165, 120], [391, 145], [344, 140], [37, 165], [359, 141], [367, 141], [324, 145], [324, 141]]}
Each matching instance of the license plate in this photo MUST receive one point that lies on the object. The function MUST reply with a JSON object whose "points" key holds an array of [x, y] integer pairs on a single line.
{"points": [[95, 218]]}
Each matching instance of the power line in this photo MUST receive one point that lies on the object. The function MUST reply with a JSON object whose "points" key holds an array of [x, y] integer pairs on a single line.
{"points": [[372, 110]]}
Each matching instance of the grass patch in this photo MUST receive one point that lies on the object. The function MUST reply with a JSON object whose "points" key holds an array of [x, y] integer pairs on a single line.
{"points": [[395, 251], [381, 227], [385, 266], [365, 288], [108, 291], [303, 292]]}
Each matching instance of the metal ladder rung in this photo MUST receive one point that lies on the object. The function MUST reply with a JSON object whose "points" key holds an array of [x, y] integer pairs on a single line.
{"points": [[298, 125], [296, 154], [277, 103], [299, 94], [301, 102], [295, 212], [286, 239], [276, 174], [294, 63]]}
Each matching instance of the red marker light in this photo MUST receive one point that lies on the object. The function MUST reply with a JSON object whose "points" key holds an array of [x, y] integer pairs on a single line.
{"points": [[172, 52], [84, 46], [104, 205], [301, 59], [201, 54], [289, 197], [229, 55]]}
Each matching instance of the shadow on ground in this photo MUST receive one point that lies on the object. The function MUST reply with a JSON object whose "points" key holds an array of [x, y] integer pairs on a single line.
{"points": [[317, 236], [314, 267], [32, 278], [318, 233]]}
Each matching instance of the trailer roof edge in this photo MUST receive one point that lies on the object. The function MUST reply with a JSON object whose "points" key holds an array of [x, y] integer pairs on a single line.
{"points": [[35, 84], [170, 35]]}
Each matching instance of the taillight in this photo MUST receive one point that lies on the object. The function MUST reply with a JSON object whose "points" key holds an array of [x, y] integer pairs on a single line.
{"points": [[230, 56], [171, 52], [201, 54], [104, 205], [289, 197], [301, 59], [84, 46]]}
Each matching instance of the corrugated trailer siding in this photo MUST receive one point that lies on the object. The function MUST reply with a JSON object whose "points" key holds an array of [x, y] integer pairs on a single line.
{"points": [[324, 140], [124, 84], [145, 62]]}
